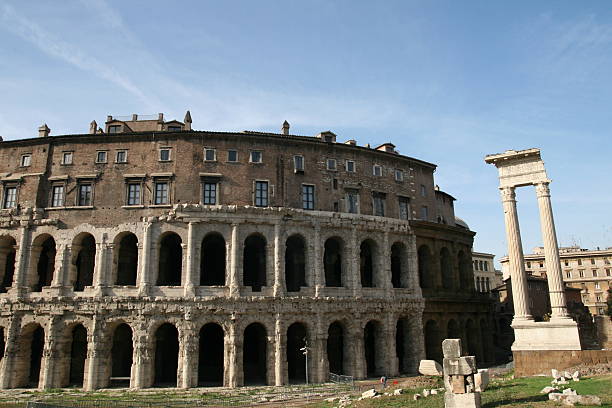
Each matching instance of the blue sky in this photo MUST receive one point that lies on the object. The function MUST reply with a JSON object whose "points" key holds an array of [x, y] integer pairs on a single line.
{"points": [[446, 81]]}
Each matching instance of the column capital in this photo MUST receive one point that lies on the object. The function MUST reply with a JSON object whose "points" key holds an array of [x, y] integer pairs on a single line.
{"points": [[542, 189], [507, 193]]}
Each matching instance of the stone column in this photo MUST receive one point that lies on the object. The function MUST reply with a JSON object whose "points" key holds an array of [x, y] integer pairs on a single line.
{"points": [[317, 262], [234, 281], [520, 294], [233, 343], [358, 353], [190, 275], [145, 273], [189, 356], [9, 361], [94, 349], [279, 288], [279, 354], [556, 288], [385, 263], [140, 359], [23, 255], [62, 266], [392, 362], [353, 274], [319, 352], [101, 266], [50, 355]]}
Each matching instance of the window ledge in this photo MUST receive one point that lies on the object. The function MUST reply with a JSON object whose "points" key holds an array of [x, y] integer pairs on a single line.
{"points": [[129, 207], [160, 206], [255, 162], [71, 207]]}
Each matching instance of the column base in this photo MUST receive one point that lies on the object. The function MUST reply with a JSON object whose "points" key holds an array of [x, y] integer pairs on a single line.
{"points": [[558, 334]]}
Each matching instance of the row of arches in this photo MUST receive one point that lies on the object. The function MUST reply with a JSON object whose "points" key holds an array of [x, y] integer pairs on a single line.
{"points": [[71, 353], [475, 335], [443, 271], [213, 262]]}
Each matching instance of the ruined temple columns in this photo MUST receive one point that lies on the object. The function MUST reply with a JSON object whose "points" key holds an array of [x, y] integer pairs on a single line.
{"points": [[516, 259], [279, 360], [233, 344], [556, 288]]}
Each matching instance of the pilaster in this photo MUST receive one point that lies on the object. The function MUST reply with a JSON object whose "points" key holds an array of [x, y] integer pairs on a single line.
{"points": [[145, 273], [8, 362], [190, 273], [234, 281]]}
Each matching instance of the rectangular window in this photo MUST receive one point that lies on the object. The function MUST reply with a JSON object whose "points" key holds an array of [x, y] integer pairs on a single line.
{"points": [[134, 197], [67, 158], [581, 273], [85, 198], [423, 190], [256, 156], [352, 201], [350, 166], [210, 193], [607, 272], [594, 273], [26, 160], [232, 156], [101, 157], [592, 261], [164, 154], [114, 129], [10, 197], [261, 193], [486, 267], [566, 263], [210, 154], [541, 264], [568, 274], [424, 213], [399, 175], [331, 164], [307, 197], [57, 197], [404, 208], [174, 129], [298, 163], [597, 285], [121, 156], [161, 193], [378, 204], [528, 264], [377, 170], [580, 262]]}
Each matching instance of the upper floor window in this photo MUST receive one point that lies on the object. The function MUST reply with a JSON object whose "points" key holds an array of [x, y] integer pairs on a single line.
{"points": [[378, 204], [423, 190], [67, 157], [101, 156], [114, 129], [332, 164], [566, 262], [26, 160], [161, 195], [404, 208], [133, 193], [57, 196], [580, 262], [424, 213], [256, 156], [164, 154], [581, 273], [298, 163], [210, 193], [594, 272], [528, 264], [352, 201], [399, 175], [592, 261], [232, 156], [486, 266], [568, 274], [308, 197], [210, 154], [10, 197], [261, 193], [607, 272], [377, 170], [607, 261], [174, 128], [85, 194], [597, 286], [350, 166], [121, 156]]}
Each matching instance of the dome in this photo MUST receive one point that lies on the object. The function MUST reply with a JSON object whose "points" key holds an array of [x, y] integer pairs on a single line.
{"points": [[460, 223]]}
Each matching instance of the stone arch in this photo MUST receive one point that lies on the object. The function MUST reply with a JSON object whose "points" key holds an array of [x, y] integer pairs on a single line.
{"points": [[254, 262], [453, 331], [212, 260], [337, 342], [166, 355], [374, 346], [295, 263], [425, 267], [42, 262], [297, 336], [121, 355], [333, 262], [255, 354], [126, 259], [170, 260], [7, 262], [399, 265], [83, 261], [433, 341], [368, 254], [465, 270], [211, 355], [446, 269], [30, 346]]}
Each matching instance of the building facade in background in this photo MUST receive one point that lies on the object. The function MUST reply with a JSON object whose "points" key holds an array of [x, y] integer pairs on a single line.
{"points": [[486, 277]]}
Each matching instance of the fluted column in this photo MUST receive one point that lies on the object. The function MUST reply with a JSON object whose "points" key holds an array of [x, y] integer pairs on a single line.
{"points": [[317, 261], [234, 281], [278, 267], [520, 295], [556, 287], [9, 361], [190, 278], [145, 273]]}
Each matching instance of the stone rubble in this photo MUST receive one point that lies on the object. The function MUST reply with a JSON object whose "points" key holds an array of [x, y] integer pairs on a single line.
{"points": [[430, 367]]}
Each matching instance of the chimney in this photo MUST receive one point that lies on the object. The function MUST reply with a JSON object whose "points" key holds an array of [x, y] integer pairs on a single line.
{"points": [[285, 128], [93, 127], [160, 117], [187, 120], [109, 118], [44, 130], [134, 117]]}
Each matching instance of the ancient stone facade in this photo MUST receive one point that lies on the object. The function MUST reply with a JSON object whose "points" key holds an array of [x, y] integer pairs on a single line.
{"points": [[166, 256]]}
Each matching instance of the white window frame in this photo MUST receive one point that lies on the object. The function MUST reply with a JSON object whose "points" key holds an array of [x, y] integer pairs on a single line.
{"points": [[312, 203], [105, 156], [298, 158], [168, 184], [216, 184], [214, 153], [331, 168], [80, 184], [399, 175], [260, 156], [165, 149], [133, 182], [67, 158], [26, 157], [6, 189], [346, 166], [125, 152], [268, 187], [63, 200], [379, 168], [383, 198], [348, 201]]}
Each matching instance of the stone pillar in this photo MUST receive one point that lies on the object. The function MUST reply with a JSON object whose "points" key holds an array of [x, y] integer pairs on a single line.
{"points": [[353, 274], [279, 354], [233, 343], [392, 362], [145, 273], [22, 260], [50, 355], [317, 262], [319, 352], [190, 272], [101, 266], [556, 288], [358, 353], [140, 359], [63, 258], [279, 287], [234, 281], [8, 362], [385, 263], [189, 356], [520, 294], [94, 350]]}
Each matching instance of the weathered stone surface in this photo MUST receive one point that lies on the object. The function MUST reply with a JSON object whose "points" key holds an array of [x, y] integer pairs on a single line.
{"points": [[548, 390], [369, 393], [462, 365], [555, 373], [451, 348], [399, 391], [481, 380], [430, 367], [416, 397], [571, 400], [471, 400]]}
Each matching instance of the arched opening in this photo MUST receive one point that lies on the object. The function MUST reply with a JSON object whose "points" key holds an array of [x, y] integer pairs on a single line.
{"points": [[295, 263], [121, 356], [254, 355], [127, 260], [465, 271], [78, 354], [424, 257], [170, 260], [374, 344], [403, 346], [366, 263], [254, 262], [85, 261], [433, 341], [7, 262], [335, 348], [46, 262], [446, 267], [452, 330], [296, 360], [212, 260], [210, 359], [166, 355], [30, 347], [399, 265], [332, 263]]}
